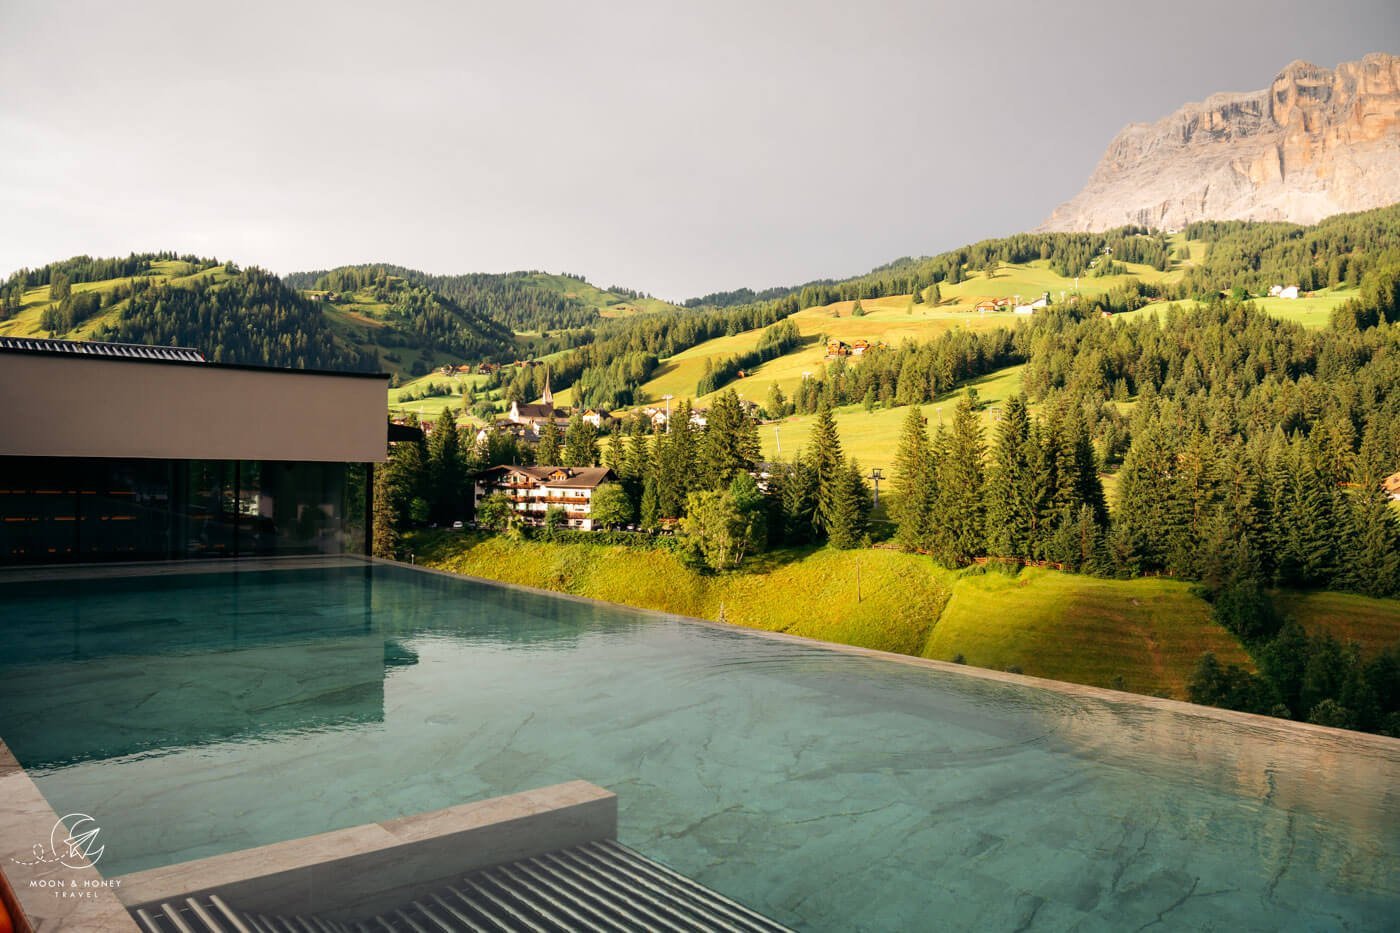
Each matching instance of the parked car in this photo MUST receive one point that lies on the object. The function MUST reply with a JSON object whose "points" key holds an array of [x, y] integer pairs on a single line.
{"points": [[457, 526]]}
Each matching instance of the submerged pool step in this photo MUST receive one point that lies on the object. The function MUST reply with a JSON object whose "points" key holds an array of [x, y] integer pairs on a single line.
{"points": [[601, 886]]}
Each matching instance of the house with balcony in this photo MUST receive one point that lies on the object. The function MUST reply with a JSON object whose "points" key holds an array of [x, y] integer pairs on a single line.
{"points": [[534, 490]]}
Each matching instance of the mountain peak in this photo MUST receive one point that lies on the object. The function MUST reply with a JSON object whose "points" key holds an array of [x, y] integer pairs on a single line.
{"points": [[1317, 141]]}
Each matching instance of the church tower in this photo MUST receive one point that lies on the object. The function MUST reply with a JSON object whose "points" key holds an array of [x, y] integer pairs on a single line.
{"points": [[548, 397]]}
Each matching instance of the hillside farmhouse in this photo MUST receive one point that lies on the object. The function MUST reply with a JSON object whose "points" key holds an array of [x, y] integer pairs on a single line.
{"points": [[1034, 306], [990, 305]]}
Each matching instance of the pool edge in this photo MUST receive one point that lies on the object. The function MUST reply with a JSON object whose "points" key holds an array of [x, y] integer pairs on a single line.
{"points": [[1380, 743]]}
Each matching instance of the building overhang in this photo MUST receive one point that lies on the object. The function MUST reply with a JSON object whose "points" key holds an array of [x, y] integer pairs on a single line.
{"points": [[59, 404]]}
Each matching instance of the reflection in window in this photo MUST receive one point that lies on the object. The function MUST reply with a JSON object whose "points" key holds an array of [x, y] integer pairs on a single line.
{"points": [[66, 509]]}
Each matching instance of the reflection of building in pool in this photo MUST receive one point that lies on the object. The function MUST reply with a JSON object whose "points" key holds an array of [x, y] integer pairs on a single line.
{"points": [[248, 673], [119, 452]]}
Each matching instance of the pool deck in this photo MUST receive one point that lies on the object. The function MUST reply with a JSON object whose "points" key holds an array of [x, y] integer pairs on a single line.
{"points": [[51, 896]]}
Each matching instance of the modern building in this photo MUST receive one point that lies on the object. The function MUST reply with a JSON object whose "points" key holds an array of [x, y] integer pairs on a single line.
{"points": [[123, 452], [534, 490]]}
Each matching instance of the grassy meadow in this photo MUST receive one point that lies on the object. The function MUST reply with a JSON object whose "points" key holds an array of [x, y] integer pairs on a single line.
{"points": [[1149, 632], [873, 437], [26, 322], [1145, 636], [1374, 624]]}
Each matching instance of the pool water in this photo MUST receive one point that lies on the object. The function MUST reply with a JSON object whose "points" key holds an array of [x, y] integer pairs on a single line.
{"points": [[197, 714]]}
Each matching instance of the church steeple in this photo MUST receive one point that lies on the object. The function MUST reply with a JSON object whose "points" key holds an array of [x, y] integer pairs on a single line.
{"points": [[548, 397]]}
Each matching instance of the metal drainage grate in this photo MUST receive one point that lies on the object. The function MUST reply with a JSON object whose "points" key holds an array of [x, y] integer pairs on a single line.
{"points": [[601, 886]]}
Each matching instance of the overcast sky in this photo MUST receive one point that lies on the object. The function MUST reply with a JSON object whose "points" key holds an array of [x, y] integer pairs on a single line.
{"points": [[673, 149]]}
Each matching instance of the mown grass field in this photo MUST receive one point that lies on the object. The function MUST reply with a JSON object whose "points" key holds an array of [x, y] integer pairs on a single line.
{"points": [[1312, 312], [873, 437], [608, 303], [432, 406], [1374, 624], [1145, 635], [1149, 632]]}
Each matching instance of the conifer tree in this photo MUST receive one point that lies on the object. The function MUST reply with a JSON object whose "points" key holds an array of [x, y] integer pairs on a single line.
{"points": [[446, 486], [959, 509], [547, 452], [635, 463], [674, 464], [797, 496], [828, 465], [1373, 565], [650, 511], [1012, 491], [849, 511], [1307, 510], [777, 402], [912, 503], [385, 534], [729, 444], [580, 443], [616, 456]]}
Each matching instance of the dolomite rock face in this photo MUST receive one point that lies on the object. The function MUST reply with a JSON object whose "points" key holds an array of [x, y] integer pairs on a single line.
{"points": [[1316, 142]]}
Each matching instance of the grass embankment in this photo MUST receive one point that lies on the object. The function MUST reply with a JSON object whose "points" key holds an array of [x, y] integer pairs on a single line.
{"points": [[1141, 635], [1149, 632], [1374, 624], [807, 593]]}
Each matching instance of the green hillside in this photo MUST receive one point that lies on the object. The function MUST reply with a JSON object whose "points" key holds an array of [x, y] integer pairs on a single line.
{"points": [[606, 302], [390, 323], [1140, 635], [437, 319], [28, 319], [894, 318]]}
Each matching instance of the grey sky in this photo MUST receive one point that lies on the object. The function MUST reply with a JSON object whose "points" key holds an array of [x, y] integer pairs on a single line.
{"points": [[674, 149]]}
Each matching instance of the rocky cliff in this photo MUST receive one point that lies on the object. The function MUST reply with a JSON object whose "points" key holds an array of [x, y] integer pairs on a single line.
{"points": [[1316, 142]]}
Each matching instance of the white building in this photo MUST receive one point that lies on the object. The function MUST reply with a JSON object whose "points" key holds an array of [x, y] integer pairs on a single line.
{"points": [[1034, 306], [534, 490]]}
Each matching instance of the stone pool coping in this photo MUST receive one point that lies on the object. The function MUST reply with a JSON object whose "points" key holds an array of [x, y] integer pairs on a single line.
{"points": [[341, 874], [52, 573], [347, 874], [1384, 745], [26, 821]]}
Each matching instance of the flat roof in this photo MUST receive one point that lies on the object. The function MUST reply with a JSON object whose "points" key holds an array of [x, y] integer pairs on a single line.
{"points": [[122, 401], [150, 353]]}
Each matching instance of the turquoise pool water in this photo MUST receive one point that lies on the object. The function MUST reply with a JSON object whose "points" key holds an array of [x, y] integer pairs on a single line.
{"points": [[197, 714]]}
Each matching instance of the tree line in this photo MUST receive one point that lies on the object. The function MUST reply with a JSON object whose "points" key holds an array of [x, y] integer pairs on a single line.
{"points": [[253, 318]]}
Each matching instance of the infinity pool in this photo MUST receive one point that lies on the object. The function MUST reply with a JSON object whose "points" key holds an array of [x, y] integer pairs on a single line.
{"points": [[197, 714]]}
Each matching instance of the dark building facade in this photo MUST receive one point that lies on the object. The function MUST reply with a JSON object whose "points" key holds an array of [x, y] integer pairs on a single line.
{"points": [[110, 453]]}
